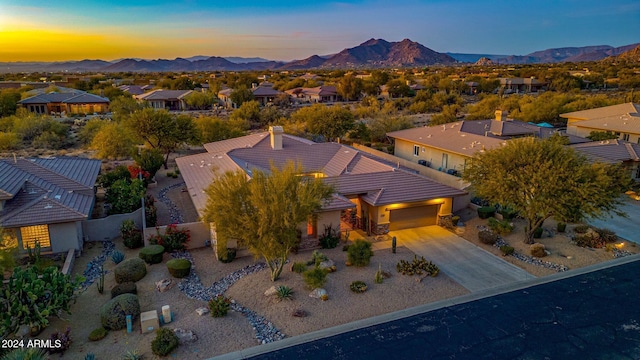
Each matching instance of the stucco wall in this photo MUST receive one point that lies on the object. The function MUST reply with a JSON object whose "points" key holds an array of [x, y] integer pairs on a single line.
{"points": [[404, 149], [64, 236], [108, 228]]}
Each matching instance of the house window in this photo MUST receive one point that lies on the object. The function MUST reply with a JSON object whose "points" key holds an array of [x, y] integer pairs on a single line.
{"points": [[445, 161], [312, 226], [638, 172], [416, 150], [31, 234], [625, 137]]}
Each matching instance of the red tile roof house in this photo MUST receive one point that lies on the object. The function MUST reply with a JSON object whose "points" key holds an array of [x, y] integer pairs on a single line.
{"points": [[371, 194], [165, 99], [47, 199], [66, 103]]}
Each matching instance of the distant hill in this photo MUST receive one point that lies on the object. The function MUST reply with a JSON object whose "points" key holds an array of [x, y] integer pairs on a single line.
{"points": [[373, 53], [629, 56]]}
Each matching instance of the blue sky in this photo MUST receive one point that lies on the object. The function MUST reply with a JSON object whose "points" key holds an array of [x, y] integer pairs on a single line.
{"points": [[286, 30]]}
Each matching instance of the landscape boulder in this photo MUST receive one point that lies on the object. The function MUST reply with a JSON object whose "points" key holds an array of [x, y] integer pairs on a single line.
{"points": [[164, 285], [113, 314], [317, 293], [202, 310], [130, 270], [185, 336], [271, 291]]}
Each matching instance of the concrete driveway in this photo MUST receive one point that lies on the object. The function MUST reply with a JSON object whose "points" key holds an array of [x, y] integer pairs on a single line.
{"points": [[625, 227], [467, 264]]}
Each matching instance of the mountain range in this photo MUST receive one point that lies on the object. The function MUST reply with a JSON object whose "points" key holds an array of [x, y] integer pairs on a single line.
{"points": [[373, 53]]}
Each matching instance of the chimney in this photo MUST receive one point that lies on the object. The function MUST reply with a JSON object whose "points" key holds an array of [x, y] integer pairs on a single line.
{"points": [[501, 115], [276, 137]]}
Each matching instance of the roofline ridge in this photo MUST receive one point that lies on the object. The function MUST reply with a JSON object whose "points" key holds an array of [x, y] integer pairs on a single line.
{"points": [[55, 173], [632, 151]]}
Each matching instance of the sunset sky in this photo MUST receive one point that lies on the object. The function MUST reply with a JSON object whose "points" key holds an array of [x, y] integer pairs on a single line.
{"points": [[37, 30]]}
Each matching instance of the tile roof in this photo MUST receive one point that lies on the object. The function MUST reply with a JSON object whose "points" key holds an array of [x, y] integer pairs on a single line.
{"points": [[352, 171], [605, 111], [69, 98], [451, 137], [609, 151], [625, 123], [161, 94], [45, 191], [265, 90]]}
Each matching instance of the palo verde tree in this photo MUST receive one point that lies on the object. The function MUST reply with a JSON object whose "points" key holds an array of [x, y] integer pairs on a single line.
{"points": [[543, 178], [264, 212], [161, 130]]}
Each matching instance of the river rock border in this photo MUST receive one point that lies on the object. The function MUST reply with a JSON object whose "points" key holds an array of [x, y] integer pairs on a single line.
{"points": [[174, 213], [192, 287], [92, 271], [530, 259]]}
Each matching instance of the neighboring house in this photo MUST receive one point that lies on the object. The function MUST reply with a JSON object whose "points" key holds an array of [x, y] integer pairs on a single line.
{"points": [[265, 93], [318, 94], [521, 85], [448, 147], [613, 152], [63, 103], [371, 194], [623, 120], [165, 99], [135, 89], [46, 200], [224, 95]]}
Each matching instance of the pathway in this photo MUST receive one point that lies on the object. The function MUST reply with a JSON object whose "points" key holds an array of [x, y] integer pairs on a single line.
{"points": [[623, 226], [467, 264]]}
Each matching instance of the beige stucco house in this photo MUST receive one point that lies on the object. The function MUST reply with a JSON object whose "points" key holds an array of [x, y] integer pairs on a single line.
{"points": [[623, 120], [371, 194]]}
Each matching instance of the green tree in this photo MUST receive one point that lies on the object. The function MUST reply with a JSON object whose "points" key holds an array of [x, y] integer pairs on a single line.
{"points": [[200, 100], [601, 135], [112, 141], [89, 130], [398, 88], [543, 178], [123, 106], [248, 112], [449, 114], [161, 130], [211, 128], [383, 124], [330, 122], [241, 95], [9, 102], [264, 213], [150, 160], [124, 196], [349, 88]]}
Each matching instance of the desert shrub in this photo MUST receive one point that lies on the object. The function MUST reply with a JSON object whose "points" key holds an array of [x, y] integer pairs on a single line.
{"points": [[117, 257], [358, 286], [113, 314], [346, 247], [315, 278], [589, 240], [316, 258], [25, 354], [537, 233], [508, 213], [219, 306], [537, 250], [152, 254], [98, 334], [179, 268], [150, 211], [130, 270], [298, 267], [487, 237], [506, 250], [131, 236], [165, 342], [124, 288], [454, 220], [230, 255], [62, 339], [581, 229], [359, 253], [561, 227], [132, 355], [173, 239], [486, 212], [330, 238], [379, 276], [90, 356], [502, 227], [284, 292], [417, 267], [608, 236]]}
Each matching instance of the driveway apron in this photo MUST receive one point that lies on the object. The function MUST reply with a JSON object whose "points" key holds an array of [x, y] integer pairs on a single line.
{"points": [[625, 227], [467, 264]]}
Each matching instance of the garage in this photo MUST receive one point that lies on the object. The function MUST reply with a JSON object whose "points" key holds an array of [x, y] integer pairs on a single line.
{"points": [[413, 217]]}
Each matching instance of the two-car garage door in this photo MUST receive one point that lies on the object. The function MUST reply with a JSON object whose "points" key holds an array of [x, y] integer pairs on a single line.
{"points": [[413, 217]]}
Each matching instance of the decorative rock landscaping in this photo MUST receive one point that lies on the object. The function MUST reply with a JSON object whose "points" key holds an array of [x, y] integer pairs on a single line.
{"points": [[94, 267], [174, 212], [530, 259], [192, 287]]}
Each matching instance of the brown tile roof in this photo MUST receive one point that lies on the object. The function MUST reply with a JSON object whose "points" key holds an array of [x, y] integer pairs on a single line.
{"points": [[45, 191], [162, 94], [352, 172], [265, 90], [605, 111], [609, 151]]}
